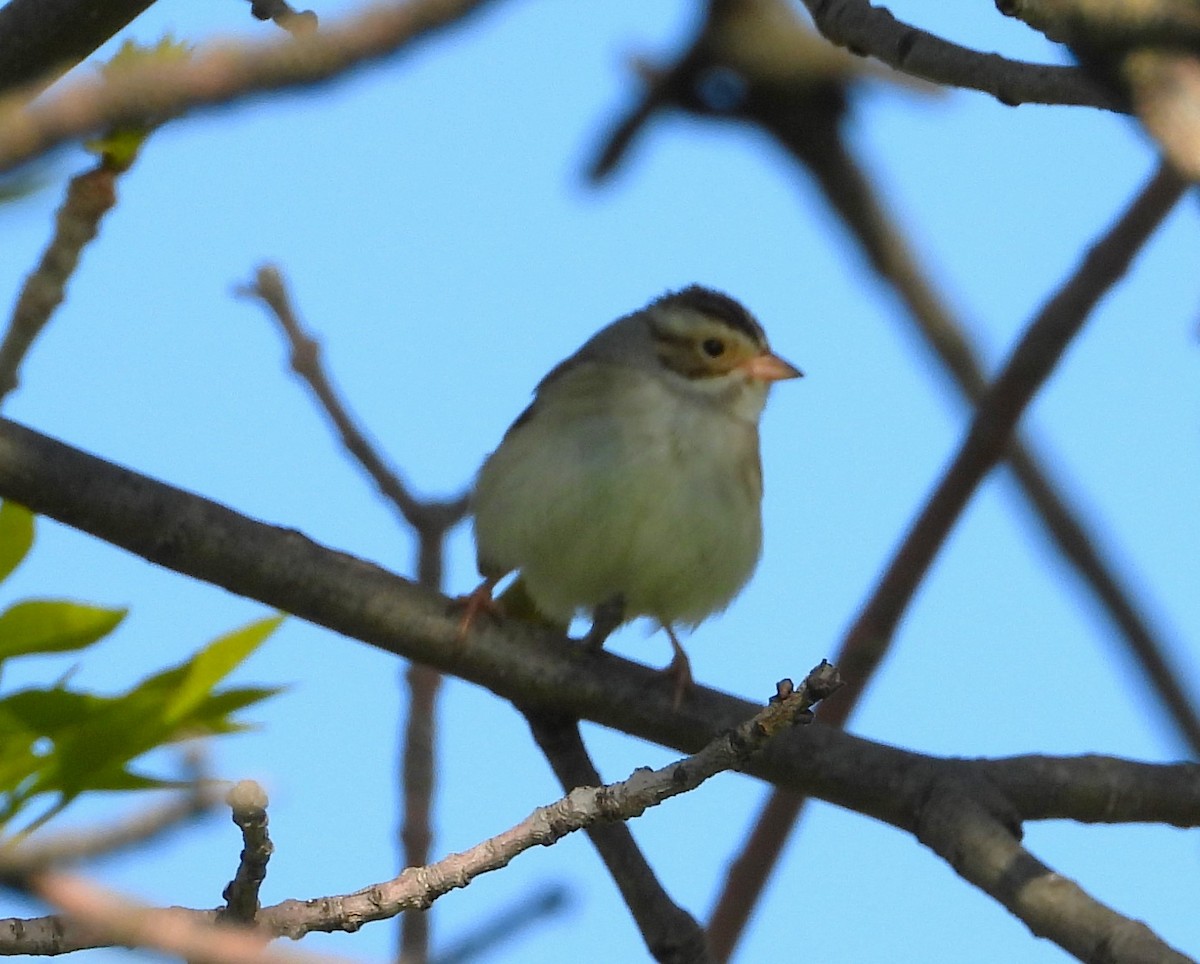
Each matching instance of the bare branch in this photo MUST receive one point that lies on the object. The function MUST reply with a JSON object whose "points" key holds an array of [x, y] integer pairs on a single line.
{"points": [[248, 803], [89, 197], [865, 28], [296, 22], [431, 520], [432, 517], [187, 933], [523, 663], [1029, 365], [217, 74]]}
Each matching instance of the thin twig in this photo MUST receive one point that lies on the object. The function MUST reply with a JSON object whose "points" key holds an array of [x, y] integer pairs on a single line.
{"points": [[419, 887], [431, 521], [298, 23], [248, 805], [89, 197], [268, 287]]}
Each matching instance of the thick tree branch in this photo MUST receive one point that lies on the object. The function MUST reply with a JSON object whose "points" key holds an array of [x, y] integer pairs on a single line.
{"points": [[520, 662], [40, 39]]}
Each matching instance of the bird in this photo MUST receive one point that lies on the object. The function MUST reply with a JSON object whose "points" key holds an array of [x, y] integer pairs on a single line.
{"points": [[632, 484]]}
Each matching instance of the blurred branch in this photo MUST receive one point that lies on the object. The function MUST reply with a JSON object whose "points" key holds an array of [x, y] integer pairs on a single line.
{"points": [[40, 39], [89, 197], [1144, 52], [298, 23], [1119, 23], [527, 910], [217, 74], [865, 28], [431, 521], [67, 847], [248, 804], [1026, 370], [103, 919]]}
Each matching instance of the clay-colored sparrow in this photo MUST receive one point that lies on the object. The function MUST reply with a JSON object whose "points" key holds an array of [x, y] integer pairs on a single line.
{"points": [[632, 486]]}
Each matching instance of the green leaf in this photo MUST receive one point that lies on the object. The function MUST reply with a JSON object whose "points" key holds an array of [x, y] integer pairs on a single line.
{"points": [[119, 146], [213, 663], [16, 536], [53, 626]]}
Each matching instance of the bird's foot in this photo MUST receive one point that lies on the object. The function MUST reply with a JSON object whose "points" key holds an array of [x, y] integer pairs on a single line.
{"points": [[605, 618], [678, 671], [478, 601]]}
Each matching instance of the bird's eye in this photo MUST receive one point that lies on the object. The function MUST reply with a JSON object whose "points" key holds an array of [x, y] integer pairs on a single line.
{"points": [[713, 347]]}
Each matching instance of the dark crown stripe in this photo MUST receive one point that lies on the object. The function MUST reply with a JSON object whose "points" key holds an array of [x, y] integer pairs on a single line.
{"points": [[714, 304]]}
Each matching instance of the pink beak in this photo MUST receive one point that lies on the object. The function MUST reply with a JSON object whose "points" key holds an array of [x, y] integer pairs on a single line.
{"points": [[770, 368]]}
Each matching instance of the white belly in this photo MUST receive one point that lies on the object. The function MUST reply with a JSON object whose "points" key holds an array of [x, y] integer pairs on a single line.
{"points": [[664, 509]]}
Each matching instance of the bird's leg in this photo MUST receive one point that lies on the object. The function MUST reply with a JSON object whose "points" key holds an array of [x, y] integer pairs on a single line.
{"points": [[679, 670], [479, 600], [605, 618]]}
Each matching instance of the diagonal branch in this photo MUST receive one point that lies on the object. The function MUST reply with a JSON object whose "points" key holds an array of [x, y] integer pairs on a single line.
{"points": [[190, 933], [1030, 364], [40, 39], [90, 196], [217, 74]]}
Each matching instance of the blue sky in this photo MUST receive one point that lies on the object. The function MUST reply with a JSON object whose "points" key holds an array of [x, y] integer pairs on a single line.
{"points": [[432, 217]]}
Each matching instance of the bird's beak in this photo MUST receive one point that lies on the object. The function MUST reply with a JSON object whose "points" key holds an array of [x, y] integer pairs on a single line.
{"points": [[770, 368]]}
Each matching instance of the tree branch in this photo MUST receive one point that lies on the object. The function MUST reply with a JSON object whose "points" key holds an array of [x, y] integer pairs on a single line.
{"points": [[190, 933], [40, 39], [217, 74], [89, 197], [520, 662], [866, 29], [248, 805]]}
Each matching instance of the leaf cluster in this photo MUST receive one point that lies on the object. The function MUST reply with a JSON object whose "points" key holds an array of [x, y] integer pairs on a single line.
{"points": [[59, 741]]}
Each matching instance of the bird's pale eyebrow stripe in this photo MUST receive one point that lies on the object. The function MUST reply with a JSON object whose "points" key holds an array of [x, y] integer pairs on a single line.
{"points": [[715, 304]]}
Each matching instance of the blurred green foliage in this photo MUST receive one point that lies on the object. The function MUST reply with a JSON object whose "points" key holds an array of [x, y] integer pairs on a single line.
{"points": [[57, 742]]}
